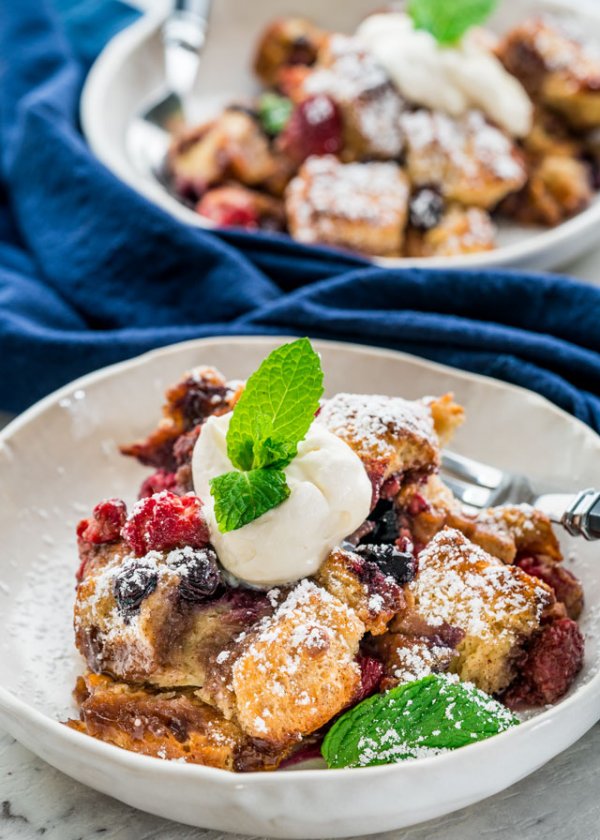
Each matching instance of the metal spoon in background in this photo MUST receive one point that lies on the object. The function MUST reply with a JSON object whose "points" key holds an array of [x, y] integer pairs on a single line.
{"points": [[149, 133]]}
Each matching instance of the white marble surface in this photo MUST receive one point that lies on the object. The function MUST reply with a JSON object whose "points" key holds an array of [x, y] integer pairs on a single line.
{"points": [[559, 802]]}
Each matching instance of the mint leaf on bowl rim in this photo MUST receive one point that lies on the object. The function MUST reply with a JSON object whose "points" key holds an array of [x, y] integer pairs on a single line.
{"points": [[448, 20], [425, 717]]}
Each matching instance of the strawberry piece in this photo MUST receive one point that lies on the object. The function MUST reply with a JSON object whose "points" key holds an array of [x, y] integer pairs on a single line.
{"points": [[371, 672], [550, 666], [157, 482], [104, 526], [165, 521], [314, 128]]}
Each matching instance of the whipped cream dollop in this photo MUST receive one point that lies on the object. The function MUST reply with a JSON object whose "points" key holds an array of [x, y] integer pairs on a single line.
{"points": [[330, 497], [453, 79]]}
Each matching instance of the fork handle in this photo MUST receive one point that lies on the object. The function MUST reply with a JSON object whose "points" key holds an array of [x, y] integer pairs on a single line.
{"points": [[579, 515]]}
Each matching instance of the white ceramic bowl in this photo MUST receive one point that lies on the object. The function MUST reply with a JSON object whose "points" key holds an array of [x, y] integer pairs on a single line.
{"points": [[60, 458], [130, 74]]}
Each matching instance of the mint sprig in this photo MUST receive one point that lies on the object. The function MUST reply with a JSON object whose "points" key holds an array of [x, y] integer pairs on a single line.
{"points": [[274, 112], [269, 420], [425, 717], [448, 20]]}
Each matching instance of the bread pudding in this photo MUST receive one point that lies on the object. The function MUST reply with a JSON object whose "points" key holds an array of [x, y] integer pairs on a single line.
{"points": [[395, 141], [292, 556]]}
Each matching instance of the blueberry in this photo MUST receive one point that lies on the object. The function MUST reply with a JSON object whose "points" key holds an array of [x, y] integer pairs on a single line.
{"points": [[134, 582], [399, 565], [200, 575], [386, 523], [426, 208]]}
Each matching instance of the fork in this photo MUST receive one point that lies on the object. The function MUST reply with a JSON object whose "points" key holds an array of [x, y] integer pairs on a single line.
{"points": [[478, 486]]}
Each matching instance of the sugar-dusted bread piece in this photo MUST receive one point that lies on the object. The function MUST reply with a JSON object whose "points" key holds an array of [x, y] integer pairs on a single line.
{"points": [[498, 607], [558, 65], [294, 671], [503, 531], [374, 591], [173, 725], [467, 159], [231, 146], [558, 188], [355, 205], [396, 439], [370, 104], [460, 230], [149, 619], [286, 42]]}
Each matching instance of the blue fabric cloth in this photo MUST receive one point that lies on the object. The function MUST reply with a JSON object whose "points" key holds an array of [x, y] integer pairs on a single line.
{"points": [[91, 273]]}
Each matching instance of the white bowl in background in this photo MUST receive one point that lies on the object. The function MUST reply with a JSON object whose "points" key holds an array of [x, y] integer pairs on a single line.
{"points": [[130, 73], [60, 457]]}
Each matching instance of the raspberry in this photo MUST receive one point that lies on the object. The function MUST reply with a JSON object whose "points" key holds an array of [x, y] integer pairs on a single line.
{"points": [[371, 672], [314, 128], [157, 482], [108, 517], [165, 521], [550, 666], [567, 588], [228, 214]]}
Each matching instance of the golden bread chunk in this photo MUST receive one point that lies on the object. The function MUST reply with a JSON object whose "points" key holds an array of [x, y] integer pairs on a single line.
{"points": [[294, 671], [558, 188], [497, 606], [155, 633], [461, 230], [558, 66], [362, 586], [232, 146], [369, 103], [286, 42], [173, 725], [394, 438], [504, 531], [467, 159], [355, 205]]}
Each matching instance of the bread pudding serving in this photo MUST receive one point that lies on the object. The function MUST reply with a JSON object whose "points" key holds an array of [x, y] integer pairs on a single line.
{"points": [[414, 136], [295, 580]]}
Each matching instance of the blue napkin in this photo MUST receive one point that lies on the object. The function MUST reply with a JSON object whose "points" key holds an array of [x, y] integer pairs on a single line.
{"points": [[91, 273]]}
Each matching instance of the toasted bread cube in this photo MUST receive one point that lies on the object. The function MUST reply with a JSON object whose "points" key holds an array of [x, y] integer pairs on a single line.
{"points": [[559, 187], [292, 673], [168, 640], [461, 230], [362, 206], [467, 159], [232, 146], [498, 607], [393, 437], [374, 596], [370, 104], [504, 531], [558, 66], [286, 42], [172, 725]]}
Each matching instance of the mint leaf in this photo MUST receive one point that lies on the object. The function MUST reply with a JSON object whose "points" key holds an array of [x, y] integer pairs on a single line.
{"points": [[274, 112], [276, 408], [428, 716], [241, 497], [448, 20]]}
